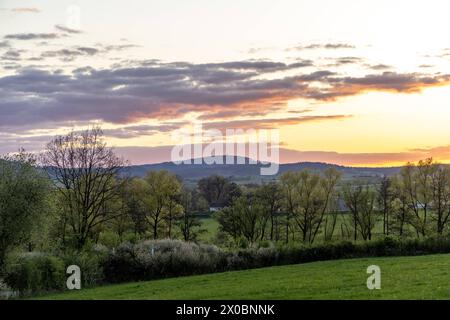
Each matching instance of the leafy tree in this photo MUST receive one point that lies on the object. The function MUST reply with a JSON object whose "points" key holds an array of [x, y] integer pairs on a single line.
{"points": [[23, 194], [440, 190], [271, 197], [188, 222], [161, 188], [400, 206], [246, 217], [416, 181], [308, 199], [218, 191], [133, 195]]}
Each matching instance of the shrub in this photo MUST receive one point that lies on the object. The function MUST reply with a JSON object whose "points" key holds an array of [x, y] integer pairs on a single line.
{"points": [[31, 273], [91, 264], [35, 272], [161, 258]]}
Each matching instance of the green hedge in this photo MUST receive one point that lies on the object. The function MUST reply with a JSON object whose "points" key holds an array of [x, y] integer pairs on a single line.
{"points": [[171, 258], [34, 273]]}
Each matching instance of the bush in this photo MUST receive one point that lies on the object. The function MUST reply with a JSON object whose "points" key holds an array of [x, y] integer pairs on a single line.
{"points": [[35, 272], [162, 258], [31, 273], [91, 264]]}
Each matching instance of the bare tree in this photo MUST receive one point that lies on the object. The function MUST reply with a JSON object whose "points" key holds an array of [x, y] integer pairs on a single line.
{"points": [[385, 200], [85, 171], [361, 202]]}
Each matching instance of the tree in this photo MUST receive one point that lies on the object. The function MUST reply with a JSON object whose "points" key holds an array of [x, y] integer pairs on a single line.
{"points": [[218, 191], [23, 194], [270, 197], [245, 217], [416, 181], [173, 207], [385, 201], [329, 181], [161, 188], [84, 170], [123, 222], [188, 222], [361, 202], [289, 181], [440, 188], [133, 195], [401, 208], [308, 199]]}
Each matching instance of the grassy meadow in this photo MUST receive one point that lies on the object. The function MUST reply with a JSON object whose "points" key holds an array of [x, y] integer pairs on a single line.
{"points": [[421, 277]]}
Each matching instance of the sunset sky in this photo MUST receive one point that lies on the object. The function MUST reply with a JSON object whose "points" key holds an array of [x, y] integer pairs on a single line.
{"points": [[362, 83]]}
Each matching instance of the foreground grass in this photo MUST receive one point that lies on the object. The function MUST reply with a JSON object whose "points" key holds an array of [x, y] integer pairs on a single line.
{"points": [[422, 277]]}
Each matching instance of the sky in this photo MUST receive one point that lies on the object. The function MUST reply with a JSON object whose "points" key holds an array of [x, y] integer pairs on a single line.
{"points": [[349, 82]]}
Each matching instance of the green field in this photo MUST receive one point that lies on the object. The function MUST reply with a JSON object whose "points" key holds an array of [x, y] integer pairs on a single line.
{"points": [[421, 277], [210, 226]]}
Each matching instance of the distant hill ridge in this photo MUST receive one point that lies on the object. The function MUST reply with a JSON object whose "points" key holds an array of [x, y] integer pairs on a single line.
{"points": [[250, 170]]}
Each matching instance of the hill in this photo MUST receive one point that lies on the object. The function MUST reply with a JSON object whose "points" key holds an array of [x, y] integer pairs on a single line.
{"points": [[420, 277], [251, 172]]}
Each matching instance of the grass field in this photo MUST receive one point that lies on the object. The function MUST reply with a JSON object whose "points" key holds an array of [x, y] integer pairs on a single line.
{"points": [[211, 227], [421, 277]]}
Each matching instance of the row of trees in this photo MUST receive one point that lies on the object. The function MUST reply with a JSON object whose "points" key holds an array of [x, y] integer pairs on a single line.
{"points": [[79, 189], [303, 205]]}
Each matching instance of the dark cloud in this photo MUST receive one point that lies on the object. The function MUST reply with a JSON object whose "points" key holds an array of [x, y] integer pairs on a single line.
{"points": [[328, 46], [387, 82], [167, 91], [11, 55], [4, 44], [69, 54], [118, 47], [32, 36], [62, 28], [380, 67]]}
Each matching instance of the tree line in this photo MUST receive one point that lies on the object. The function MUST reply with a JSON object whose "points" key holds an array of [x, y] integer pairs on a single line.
{"points": [[78, 188]]}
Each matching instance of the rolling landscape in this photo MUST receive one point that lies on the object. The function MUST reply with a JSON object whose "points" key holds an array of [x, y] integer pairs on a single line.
{"points": [[234, 153]]}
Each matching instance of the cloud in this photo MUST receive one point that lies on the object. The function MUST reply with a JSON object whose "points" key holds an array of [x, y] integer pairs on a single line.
{"points": [[26, 10], [142, 130], [4, 44], [65, 29], [166, 91], [11, 55], [386, 82], [69, 54], [270, 123], [32, 36], [327, 46], [380, 67], [345, 61]]}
